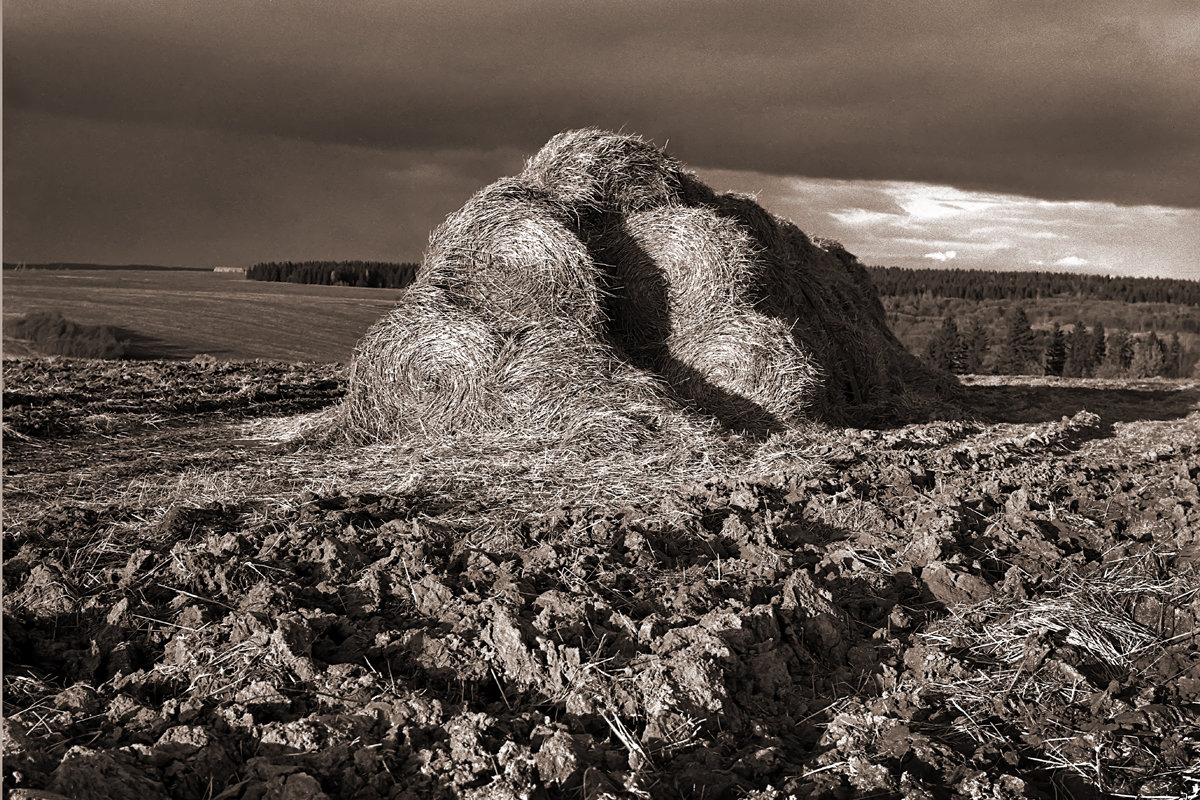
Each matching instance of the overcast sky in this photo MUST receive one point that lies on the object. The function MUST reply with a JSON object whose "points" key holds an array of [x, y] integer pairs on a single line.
{"points": [[1009, 135]]}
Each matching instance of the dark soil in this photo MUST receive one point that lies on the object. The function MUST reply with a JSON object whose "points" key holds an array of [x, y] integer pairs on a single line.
{"points": [[999, 607]]}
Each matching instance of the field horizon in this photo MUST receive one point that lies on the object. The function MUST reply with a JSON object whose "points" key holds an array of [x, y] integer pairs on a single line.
{"points": [[180, 314]]}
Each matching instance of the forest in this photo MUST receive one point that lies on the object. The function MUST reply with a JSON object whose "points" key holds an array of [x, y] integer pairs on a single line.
{"points": [[371, 274], [973, 321], [1074, 351], [970, 284]]}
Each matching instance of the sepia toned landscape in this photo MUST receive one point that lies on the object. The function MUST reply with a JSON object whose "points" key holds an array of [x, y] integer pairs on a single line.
{"points": [[541, 538], [196, 606], [600, 401]]}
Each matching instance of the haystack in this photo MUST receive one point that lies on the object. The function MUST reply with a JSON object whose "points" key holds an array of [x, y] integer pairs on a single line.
{"points": [[513, 253], [683, 305], [600, 172], [605, 290]]}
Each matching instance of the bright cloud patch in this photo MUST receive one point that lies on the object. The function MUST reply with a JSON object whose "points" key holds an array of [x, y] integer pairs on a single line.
{"points": [[903, 223]]}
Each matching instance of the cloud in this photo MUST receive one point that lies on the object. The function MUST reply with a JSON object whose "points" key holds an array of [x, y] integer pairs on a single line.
{"points": [[985, 230], [929, 97], [948, 255], [135, 128], [862, 216]]}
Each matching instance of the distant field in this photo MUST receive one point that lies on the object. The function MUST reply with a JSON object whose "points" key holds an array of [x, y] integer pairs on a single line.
{"points": [[182, 313]]}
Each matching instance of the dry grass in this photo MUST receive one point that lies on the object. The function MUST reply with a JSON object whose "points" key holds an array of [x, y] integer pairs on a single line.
{"points": [[489, 484], [1042, 668], [603, 291], [601, 172]]}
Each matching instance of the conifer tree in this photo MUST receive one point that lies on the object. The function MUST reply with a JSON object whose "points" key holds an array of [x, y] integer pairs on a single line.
{"points": [[1149, 357], [1173, 368], [945, 348], [1118, 354], [1080, 349], [975, 345], [1019, 350], [1085, 346], [1124, 351], [1099, 347], [1056, 351]]}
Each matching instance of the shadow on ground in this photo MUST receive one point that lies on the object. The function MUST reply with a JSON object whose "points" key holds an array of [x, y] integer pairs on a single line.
{"points": [[143, 348]]}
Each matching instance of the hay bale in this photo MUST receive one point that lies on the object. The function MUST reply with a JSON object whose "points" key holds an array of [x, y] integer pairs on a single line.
{"points": [[562, 379], [827, 297], [745, 368], [680, 262], [592, 296], [682, 305], [427, 364], [600, 172], [435, 367], [512, 252]]}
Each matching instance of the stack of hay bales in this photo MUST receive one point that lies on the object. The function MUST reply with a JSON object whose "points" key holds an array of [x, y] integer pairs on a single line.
{"points": [[592, 296]]}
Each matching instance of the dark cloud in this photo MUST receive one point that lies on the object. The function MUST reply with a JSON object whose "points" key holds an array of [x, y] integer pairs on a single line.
{"points": [[1070, 100], [139, 193]]}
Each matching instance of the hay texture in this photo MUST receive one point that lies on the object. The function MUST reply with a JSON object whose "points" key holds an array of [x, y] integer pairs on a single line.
{"points": [[599, 172], [603, 291]]}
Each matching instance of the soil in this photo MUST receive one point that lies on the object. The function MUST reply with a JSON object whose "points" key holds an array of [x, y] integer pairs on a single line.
{"points": [[997, 606]]}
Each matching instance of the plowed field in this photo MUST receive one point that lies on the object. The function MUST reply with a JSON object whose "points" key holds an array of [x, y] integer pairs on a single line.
{"points": [[199, 604]]}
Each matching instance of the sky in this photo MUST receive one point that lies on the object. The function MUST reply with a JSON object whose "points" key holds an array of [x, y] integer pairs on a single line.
{"points": [[999, 135]]}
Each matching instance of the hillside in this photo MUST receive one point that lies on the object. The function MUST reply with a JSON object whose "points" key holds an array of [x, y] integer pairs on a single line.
{"points": [[920, 302]]}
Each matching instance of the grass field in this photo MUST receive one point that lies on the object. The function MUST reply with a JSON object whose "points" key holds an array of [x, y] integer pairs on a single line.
{"points": [[179, 314]]}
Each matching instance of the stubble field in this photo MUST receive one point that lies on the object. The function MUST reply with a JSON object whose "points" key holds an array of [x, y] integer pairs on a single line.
{"points": [[201, 604], [184, 313]]}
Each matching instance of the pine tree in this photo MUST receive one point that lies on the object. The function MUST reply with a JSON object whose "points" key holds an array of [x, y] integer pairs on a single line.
{"points": [[1099, 348], [1019, 350], [1085, 346], [945, 348], [1056, 351], [1125, 351], [1174, 358], [975, 344], [1080, 349], [1149, 357]]}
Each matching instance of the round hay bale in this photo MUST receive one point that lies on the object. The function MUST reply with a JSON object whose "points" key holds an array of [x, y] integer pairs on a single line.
{"points": [[426, 365], [682, 303], [826, 297], [745, 368], [598, 171], [512, 252], [675, 263], [560, 378]]}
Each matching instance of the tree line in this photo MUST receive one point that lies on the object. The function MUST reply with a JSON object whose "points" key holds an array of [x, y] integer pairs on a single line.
{"points": [[969, 284], [371, 274], [1074, 351]]}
